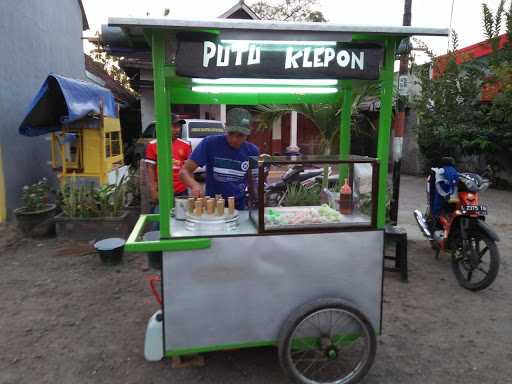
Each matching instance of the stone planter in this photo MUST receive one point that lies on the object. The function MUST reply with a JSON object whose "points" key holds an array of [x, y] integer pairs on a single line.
{"points": [[36, 223], [92, 228]]}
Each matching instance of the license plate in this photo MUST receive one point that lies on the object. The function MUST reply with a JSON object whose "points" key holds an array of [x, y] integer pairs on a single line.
{"points": [[480, 209]]}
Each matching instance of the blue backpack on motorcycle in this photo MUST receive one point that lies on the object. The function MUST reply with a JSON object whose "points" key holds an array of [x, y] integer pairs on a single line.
{"points": [[442, 186]]}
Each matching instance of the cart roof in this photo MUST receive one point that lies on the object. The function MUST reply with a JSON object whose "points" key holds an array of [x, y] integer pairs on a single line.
{"points": [[134, 26]]}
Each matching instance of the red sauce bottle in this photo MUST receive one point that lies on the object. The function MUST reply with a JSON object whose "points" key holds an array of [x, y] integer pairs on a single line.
{"points": [[346, 199]]}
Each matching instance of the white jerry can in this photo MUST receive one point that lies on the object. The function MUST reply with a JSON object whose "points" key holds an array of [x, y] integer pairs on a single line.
{"points": [[153, 343]]}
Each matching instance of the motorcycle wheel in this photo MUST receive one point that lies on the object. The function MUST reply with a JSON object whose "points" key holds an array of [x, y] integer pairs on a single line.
{"points": [[476, 278]]}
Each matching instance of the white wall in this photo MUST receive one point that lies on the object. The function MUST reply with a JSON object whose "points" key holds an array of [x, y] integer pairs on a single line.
{"points": [[37, 38], [147, 107]]}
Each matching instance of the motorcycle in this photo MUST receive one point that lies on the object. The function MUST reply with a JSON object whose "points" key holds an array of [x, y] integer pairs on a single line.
{"points": [[461, 230]]}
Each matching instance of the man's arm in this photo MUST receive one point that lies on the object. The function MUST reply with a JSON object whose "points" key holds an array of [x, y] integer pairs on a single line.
{"points": [[153, 184], [150, 160], [187, 176]]}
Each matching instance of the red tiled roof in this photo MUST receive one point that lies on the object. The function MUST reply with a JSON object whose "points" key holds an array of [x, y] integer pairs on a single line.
{"points": [[470, 52]]}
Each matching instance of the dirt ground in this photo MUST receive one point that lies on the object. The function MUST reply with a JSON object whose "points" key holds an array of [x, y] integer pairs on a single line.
{"points": [[65, 318]]}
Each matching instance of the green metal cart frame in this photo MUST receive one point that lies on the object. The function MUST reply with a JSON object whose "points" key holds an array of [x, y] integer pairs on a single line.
{"points": [[172, 89]]}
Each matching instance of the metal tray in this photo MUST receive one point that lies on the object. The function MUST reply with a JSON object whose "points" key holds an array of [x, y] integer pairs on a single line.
{"points": [[355, 219], [212, 223]]}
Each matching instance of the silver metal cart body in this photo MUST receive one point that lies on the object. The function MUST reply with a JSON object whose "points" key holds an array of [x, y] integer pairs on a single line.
{"points": [[239, 292]]}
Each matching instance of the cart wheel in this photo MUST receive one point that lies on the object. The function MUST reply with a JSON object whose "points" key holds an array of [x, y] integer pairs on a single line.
{"points": [[327, 341]]}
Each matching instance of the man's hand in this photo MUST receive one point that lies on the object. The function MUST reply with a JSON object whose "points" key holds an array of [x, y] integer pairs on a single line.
{"points": [[196, 190], [187, 176]]}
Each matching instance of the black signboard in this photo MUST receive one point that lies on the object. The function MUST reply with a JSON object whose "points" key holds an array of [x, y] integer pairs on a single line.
{"points": [[210, 59]]}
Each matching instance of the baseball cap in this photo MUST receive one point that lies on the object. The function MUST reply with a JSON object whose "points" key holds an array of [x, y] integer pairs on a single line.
{"points": [[238, 120]]}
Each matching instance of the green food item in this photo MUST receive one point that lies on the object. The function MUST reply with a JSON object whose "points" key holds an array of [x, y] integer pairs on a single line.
{"points": [[329, 213], [273, 217]]}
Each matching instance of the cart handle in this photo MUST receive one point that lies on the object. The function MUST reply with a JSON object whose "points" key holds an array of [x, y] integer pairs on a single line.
{"points": [[134, 244], [152, 284]]}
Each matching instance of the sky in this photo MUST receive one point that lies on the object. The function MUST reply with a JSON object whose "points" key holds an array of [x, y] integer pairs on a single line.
{"points": [[466, 21]]}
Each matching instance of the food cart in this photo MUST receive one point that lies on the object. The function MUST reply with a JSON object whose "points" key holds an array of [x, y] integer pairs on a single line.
{"points": [[305, 279]]}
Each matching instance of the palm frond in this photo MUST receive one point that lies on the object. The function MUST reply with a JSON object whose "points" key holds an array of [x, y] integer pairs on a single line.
{"points": [[326, 117], [488, 22], [498, 18]]}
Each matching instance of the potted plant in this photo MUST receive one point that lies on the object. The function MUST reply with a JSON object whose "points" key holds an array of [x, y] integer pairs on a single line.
{"points": [[92, 212], [35, 218]]}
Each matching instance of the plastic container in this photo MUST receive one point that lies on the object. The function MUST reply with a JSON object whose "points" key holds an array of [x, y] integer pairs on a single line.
{"points": [[154, 258], [110, 250], [153, 344]]}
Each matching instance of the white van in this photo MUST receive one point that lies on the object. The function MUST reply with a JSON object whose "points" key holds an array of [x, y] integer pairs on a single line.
{"points": [[194, 130]]}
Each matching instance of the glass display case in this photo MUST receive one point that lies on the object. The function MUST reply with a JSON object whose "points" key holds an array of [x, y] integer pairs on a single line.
{"points": [[312, 193]]}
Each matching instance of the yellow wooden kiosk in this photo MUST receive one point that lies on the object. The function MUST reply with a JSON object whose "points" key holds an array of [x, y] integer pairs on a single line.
{"points": [[90, 147], [83, 119]]}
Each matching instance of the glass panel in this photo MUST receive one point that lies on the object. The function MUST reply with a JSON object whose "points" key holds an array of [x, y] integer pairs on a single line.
{"points": [[307, 192]]}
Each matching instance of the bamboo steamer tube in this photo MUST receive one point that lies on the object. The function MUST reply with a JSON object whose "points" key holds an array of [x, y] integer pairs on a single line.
{"points": [[220, 207], [210, 206], [191, 205], [231, 205], [198, 211], [217, 197]]}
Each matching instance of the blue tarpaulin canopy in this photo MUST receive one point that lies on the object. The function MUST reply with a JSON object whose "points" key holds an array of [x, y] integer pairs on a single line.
{"points": [[62, 100]]}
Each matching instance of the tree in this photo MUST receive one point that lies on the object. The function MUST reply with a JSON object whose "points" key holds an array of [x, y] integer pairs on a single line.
{"points": [[498, 121], [326, 117], [288, 10], [453, 120], [448, 105], [111, 66]]}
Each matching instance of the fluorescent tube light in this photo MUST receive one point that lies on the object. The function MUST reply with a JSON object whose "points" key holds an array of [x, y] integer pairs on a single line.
{"points": [[237, 81], [280, 42], [292, 90]]}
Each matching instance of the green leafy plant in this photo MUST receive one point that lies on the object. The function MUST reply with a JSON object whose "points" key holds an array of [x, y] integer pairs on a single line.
{"points": [[297, 195], [35, 197], [448, 107], [453, 119], [326, 117], [365, 205], [87, 200]]}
